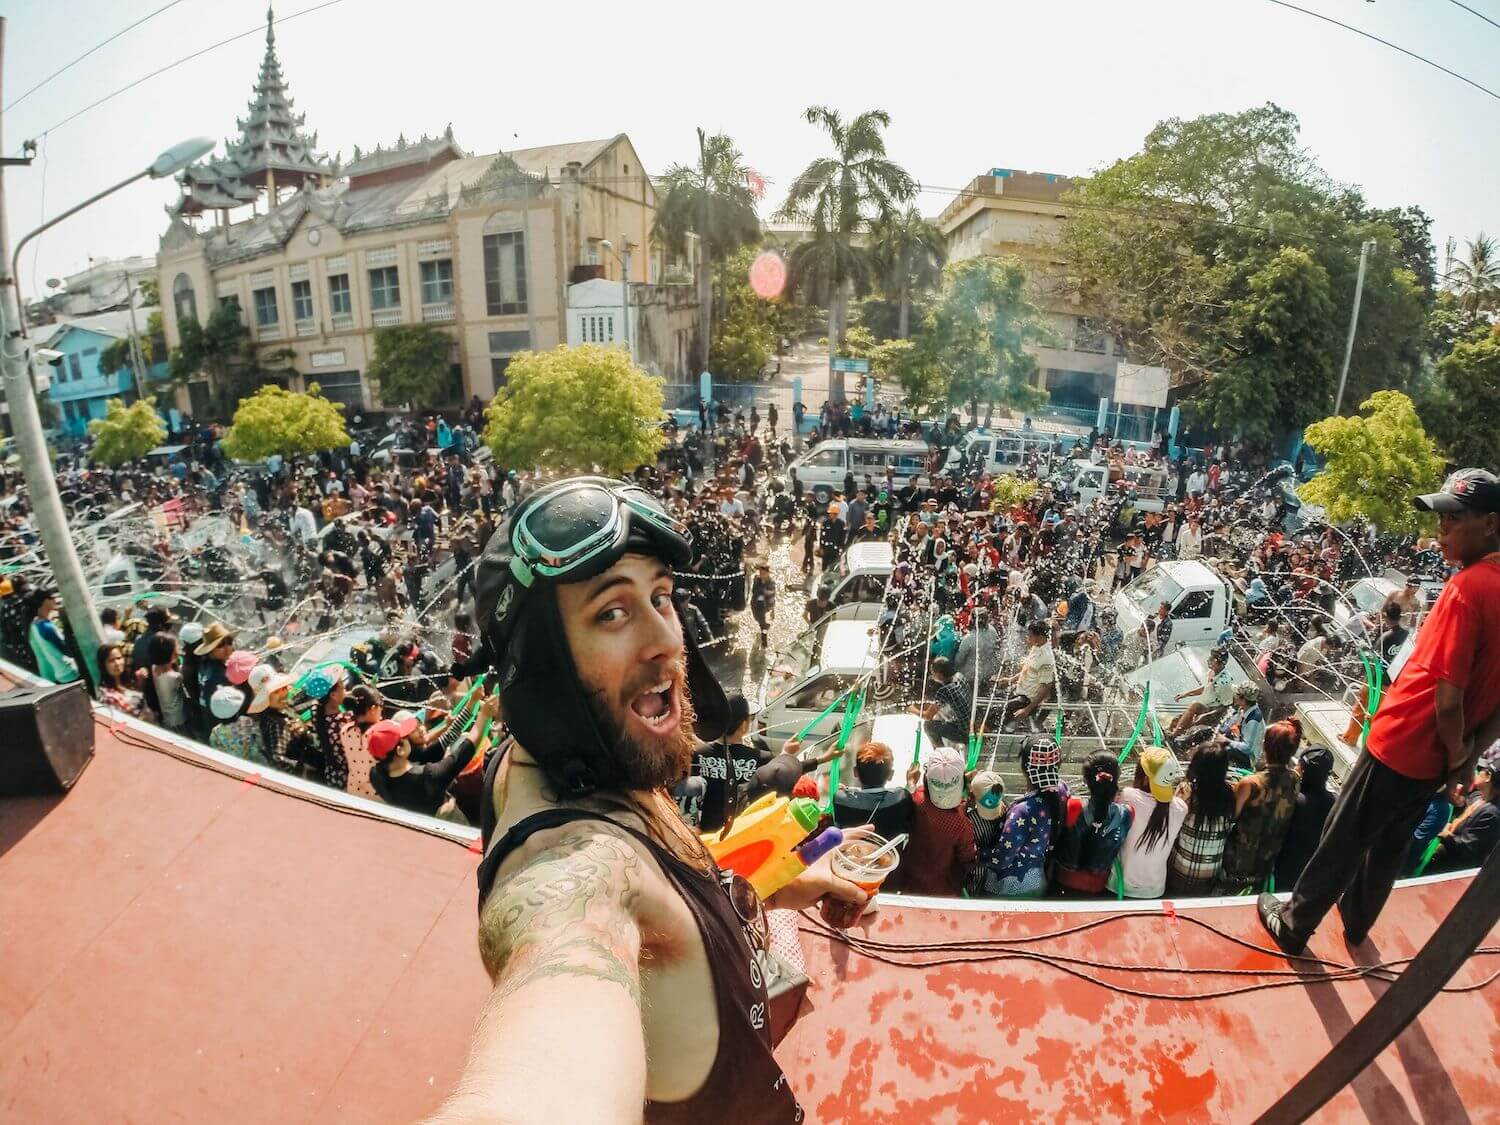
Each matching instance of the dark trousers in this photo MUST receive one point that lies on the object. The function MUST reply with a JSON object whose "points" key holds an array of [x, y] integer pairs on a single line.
{"points": [[939, 732], [1359, 855]]}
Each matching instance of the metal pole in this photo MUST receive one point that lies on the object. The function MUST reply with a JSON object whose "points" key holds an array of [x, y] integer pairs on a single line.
{"points": [[31, 445], [625, 292], [1359, 288], [135, 343]]}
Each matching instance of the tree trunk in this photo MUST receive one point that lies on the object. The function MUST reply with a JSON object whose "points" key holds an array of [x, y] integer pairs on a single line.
{"points": [[903, 324], [835, 378], [989, 413]]}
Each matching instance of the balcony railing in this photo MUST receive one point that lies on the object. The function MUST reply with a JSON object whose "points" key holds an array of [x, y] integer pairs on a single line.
{"points": [[438, 310], [343, 322], [307, 328], [270, 331], [384, 318]]}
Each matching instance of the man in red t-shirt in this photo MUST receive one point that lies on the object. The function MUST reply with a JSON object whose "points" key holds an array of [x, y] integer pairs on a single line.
{"points": [[1439, 714]]}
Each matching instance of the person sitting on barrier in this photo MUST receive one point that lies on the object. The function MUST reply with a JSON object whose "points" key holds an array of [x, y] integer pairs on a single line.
{"points": [[1243, 730], [1018, 869], [1263, 806], [1035, 682], [986, 811], [1159, 813], [1212, 697], [1193, 867], [1314, 800], [1094, 829], [941, 853], [947, 716], [873, 801], [1470, 837]]}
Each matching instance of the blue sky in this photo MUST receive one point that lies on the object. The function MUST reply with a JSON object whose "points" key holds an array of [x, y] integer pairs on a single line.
{"points": [[1063, 86]]}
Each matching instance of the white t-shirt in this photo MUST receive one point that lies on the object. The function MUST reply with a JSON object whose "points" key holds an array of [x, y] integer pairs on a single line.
{"points": [[1038, 669], [1189, 543], [304, 527], [1145, 870]]}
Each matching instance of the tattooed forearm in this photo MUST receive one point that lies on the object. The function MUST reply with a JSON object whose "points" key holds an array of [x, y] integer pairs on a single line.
{"points": [[567, 913]]}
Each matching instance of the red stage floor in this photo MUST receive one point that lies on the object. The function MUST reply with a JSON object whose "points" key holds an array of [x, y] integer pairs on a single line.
{"points": [[179, 945]]}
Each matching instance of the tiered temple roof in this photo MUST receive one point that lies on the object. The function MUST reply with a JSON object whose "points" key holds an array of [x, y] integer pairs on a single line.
{"points": [[271, 151]]}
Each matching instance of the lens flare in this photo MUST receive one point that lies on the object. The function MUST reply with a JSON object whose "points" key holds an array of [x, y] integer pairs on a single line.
{"points": [[768, 274]]}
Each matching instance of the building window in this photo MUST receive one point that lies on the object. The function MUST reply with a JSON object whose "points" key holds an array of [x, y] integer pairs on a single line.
{"points": [[340, 386], [437, 281], [302, 300], [74, 367], [505, 273], [498, 364], [183, 299], [1089, 336], [265, 307], [385, 289], [599, 329], [340, 303]]}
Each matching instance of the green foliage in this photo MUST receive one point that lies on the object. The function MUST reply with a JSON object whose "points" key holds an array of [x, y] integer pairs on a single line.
{"points": [[1475, 278], [47, 411], [743, 343], [221, 349], [150, 290], [126, 433], [115, 357], [411, 365], [908, 253], [277, 421], [839, 195], [1374, 464], [886, 357], [577, 409], [970, 348], [1011, 490], [1196, 251], [1467, 420]]}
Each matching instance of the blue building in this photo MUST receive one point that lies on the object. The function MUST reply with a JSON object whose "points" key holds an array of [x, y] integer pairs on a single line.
{"points": [[79, 389]]}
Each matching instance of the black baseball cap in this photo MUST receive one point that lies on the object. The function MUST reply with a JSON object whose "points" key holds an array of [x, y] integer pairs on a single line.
{"points": [[1468, 490]]}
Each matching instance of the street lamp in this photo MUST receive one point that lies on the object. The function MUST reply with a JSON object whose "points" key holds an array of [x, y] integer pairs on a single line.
{"points": [[624, 287], [15, 368]]}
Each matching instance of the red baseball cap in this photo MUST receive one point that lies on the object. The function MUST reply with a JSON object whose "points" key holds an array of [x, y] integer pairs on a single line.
{"points": [[384, 736]]}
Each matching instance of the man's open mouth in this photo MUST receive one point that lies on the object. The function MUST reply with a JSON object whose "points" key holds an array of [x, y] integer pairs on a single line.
{"points": [[657, 705]]}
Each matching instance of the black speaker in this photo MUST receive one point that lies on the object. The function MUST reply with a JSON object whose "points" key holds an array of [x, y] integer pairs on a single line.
{"points": [[48, 738]]}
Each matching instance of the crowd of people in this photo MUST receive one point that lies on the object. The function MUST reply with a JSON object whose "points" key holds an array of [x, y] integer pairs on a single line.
{"points": [[1000, 592]]}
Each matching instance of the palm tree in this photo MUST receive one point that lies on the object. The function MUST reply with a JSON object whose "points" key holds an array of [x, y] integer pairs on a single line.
{"points": [[715, 200], [840, 195], [908, 254], [1476, 278]]}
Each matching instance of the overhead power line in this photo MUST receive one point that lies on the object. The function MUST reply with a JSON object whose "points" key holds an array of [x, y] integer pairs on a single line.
{"points": [[1388, 43], [186, 58], [1472, 12], [69, 66]]}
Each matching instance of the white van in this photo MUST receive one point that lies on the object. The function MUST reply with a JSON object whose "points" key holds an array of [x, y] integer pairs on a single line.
{"points": [[819, 667], [1000, 451], [1201, 602], [822, 468]]}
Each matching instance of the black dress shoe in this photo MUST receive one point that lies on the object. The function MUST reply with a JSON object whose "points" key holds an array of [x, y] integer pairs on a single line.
{"points": [[1351, 935], [1269, 907]]}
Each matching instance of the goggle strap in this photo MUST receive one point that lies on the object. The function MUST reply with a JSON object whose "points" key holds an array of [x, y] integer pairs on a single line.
{"points": [[522, 570]]}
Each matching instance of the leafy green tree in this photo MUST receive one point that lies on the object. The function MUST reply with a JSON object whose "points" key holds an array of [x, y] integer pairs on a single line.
{"points": [[887, 357], [412, 364], [971, 348], [1011, 490], [223, 349], [840, 195], [126, 433], [150, 290], [1475, 278], [1181, 250], [714, 199], [1467, 422], [114, 357], [743, 343], [278, 421], [908, 254], [1374, 463], [576, 409]]}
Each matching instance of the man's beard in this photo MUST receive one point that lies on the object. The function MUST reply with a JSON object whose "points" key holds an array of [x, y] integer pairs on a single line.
{"points": [[655, 762]]}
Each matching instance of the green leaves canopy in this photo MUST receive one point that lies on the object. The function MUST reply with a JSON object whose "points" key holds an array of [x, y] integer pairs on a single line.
{"points": [[1467, 420], [1374, 464], [412, 364], [126, 433], [276, 421], [578, 409], [1222, 252]]}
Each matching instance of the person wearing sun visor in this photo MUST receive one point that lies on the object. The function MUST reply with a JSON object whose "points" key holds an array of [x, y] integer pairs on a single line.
{"points": [[607, 929]]}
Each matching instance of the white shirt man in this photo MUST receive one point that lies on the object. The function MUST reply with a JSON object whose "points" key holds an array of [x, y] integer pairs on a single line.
{"points": [[1197, 483], [1190, 541], [731, 508], [1038, 670]]}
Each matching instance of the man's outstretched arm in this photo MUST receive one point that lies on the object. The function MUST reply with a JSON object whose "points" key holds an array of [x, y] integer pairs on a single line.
{"points": [[560, 1037]]}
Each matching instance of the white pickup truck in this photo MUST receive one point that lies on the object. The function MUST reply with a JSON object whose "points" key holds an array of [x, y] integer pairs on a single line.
{"points": [[1202, 603], [1083, 482]]}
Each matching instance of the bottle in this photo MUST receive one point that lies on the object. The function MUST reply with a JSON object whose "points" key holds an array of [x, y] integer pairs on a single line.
{"points": [[763, 845]]}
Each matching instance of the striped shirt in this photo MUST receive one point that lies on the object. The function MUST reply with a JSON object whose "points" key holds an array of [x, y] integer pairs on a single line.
{"points": [[1196, 856]]}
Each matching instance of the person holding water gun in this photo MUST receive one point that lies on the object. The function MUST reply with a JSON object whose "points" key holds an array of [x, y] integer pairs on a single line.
{"points": [[615, 944]]}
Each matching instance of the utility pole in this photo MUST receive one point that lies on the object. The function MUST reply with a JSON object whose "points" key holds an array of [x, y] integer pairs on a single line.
{"points": [[135, 342], [1359, 289], [625, 291], [31, 445]]}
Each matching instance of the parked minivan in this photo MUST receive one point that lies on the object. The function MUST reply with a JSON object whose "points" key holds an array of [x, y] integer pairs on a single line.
{"points": [[821, 470], [1001, 451]]}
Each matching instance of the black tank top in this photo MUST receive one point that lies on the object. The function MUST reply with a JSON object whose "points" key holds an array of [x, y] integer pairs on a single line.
{"points": [[745, 1084]]}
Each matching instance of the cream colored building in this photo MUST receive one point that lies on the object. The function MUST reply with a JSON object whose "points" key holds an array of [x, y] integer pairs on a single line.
{"points": [[420, 232], [1022, 213]]}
